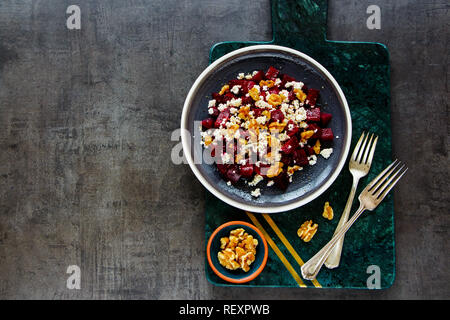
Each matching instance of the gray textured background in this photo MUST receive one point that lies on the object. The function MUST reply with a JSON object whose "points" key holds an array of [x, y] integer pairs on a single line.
{"points": [[85, 124]]}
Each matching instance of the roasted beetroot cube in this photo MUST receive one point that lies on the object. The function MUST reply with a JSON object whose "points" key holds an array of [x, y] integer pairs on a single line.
{"points": [[258, 76], [233, 174], [277, 115], [313, 114], [292, 96], [311, 98], [213, 151], [290, 145], [285, 78], [291, 128], [245, 84], [325, 118], [327, 134], [236, 82], [228, 96], [286, 159], [262, 169], [215, 112], [246, 100], [257, 112], [217, 97], [222, 118], [300, 157], [317, 130], [248, 86], [282, 180], [305, 89], [223, 168], [274, 90], [309, 151], [246, 170], [208, 123], [272, 73]]}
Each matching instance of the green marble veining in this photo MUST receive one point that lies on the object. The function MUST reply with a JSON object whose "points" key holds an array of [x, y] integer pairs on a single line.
{"points": [[362, 70]]}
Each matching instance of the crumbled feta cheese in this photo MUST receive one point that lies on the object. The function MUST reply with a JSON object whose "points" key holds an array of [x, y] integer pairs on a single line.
{"points": [[210, 110], [256, 193], [312, 160], [221, 107], [235, 89], [248, 76], [226, 158], [300, 114], [229, 183], [235, 102], [270, 183], [262, 104], [277, 81], [294, 84], [261, 120], [233, 110], [285, 93], [211, 103], [303, 125], [283, 136], [254, 73], [257, 179], [265, 88], [241, 75], [326, 153]]}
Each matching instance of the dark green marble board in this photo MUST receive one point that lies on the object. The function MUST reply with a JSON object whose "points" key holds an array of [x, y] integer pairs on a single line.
{"points": [[362, 70]]}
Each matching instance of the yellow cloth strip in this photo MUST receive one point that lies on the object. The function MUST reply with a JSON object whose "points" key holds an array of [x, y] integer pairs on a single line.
{"points": [[288, 245], [277, 251]]}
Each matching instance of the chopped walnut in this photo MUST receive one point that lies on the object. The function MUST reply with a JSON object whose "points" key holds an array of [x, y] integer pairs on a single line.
{"points": [[327, 211], [238, 250], [224, 89], [307, 230]]}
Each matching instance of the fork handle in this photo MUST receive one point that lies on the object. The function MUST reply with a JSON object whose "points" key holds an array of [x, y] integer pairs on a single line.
{"points": [[312, 267], [335, 256]]}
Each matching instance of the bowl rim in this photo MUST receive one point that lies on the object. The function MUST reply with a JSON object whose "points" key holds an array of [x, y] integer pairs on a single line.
{"points": [[186, 139], [252, 275]]}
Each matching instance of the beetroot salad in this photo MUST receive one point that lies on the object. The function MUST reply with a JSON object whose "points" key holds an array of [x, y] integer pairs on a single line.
{"points": [[265, 126]]}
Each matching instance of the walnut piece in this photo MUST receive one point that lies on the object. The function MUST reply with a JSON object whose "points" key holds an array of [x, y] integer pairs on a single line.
{"points": [[307, 230], [327, 211], [238, 250]]}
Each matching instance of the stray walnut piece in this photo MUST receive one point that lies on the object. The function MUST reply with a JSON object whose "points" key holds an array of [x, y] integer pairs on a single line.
{"points": [[238, 250], [307, 230], [327, 211]]}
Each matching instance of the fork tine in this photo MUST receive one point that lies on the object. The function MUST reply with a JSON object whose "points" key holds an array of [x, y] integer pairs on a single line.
{"points": [[362, 148], [382, 181], [372, 151], [355, 152], [377, 179], [387, 180], [385, 192], [369, 147]]}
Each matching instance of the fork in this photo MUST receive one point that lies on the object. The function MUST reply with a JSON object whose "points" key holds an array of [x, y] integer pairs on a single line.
{"points": [[369, 199], [359, 166]]}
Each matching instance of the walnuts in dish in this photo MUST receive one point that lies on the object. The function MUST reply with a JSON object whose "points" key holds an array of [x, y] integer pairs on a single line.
{"points": [[307, 230], [238, 250]]}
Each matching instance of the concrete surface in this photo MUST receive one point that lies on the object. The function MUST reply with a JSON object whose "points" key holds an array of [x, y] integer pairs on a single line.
{"points": [[85, 123]]}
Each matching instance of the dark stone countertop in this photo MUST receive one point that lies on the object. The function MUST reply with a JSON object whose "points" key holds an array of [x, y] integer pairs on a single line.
{"points": [[86, 118]]}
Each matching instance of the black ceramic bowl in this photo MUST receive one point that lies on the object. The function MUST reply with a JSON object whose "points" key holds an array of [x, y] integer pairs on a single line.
{"points": [[308, 183]]}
